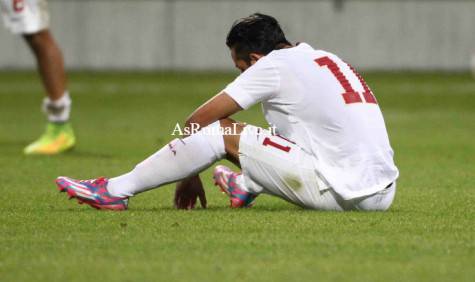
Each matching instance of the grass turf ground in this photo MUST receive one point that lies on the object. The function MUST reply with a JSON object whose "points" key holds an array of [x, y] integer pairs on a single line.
{"points": [[120, 118]]}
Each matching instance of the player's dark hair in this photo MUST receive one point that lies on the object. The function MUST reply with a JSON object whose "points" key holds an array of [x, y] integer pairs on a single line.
{"points": [[257, 33]]}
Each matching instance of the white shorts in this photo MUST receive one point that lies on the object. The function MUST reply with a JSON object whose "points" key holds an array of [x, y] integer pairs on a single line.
{"points": [[25, 16], [274, 165]]}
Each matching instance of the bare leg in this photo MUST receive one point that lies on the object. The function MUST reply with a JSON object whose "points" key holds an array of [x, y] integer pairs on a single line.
{"points": [[59, 135], [49, 61]]}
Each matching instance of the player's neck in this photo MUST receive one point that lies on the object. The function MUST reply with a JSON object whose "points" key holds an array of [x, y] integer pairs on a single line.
{"points": [[283, 46]]}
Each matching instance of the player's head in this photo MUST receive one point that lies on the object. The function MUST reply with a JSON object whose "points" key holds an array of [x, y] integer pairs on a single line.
{"points": [[252, 37]]}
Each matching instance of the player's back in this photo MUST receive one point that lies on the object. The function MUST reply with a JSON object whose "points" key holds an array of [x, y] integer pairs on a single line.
{"points": [[325, 106]]}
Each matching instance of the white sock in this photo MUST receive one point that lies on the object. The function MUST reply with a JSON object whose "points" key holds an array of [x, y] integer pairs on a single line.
{"points": [[179, 159], [59, 110]]}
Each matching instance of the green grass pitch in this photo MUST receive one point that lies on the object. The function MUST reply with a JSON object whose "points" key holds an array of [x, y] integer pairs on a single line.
{"points": [[120, 118]]}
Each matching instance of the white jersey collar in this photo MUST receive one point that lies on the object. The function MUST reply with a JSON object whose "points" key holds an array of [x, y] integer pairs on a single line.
{"points": [[303, 45]]}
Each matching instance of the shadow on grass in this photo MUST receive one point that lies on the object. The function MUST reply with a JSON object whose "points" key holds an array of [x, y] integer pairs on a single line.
{"points": [[218, 209], [13, 145], [213, 209], [86, 154], [277, 207]]}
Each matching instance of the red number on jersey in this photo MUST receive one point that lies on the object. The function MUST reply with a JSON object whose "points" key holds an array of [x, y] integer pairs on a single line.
{"points": [[350, 95], [269, 142], [18, 5]]}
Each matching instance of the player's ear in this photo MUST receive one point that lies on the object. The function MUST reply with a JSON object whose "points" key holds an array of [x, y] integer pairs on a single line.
{"points": [[255, 57]]}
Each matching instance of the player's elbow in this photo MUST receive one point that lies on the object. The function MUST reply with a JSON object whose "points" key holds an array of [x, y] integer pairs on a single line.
{"points": [[191, 121], [196, 122], [192, 125]]}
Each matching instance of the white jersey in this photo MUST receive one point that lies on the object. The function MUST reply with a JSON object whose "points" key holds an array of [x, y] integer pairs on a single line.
{"points": [[315, 99], [25, 16]]}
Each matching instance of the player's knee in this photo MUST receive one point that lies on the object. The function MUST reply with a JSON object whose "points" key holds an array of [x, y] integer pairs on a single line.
{"points": [[381, 201], [38, 40]]}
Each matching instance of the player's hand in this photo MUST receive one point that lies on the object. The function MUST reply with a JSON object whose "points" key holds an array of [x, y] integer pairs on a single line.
{"points": [[187, 191]]}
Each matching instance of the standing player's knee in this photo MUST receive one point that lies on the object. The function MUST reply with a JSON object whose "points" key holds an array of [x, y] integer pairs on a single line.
{"points": [[39, 40]]}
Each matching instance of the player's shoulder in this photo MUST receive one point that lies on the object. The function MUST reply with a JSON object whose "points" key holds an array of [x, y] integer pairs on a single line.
{"points": [[281, 60], [300, 49], [265, 63]]}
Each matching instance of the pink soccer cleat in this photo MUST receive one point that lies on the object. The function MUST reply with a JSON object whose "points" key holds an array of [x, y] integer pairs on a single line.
{"points": [[225, 178], [92, 192]]}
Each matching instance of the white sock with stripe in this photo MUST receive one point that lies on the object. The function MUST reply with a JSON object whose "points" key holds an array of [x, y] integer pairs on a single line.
{"points": [[179, 159], [59, 110]]}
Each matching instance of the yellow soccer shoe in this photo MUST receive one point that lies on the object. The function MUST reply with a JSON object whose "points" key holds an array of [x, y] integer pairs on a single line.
{"points": [[58, 138]]}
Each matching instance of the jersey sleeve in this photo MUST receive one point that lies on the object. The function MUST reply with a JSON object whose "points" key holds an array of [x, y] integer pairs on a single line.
{"points": [[258, 83]]}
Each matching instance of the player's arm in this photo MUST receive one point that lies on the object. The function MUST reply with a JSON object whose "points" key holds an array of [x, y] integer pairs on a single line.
{"points": [[258, 83], [219, 107]]}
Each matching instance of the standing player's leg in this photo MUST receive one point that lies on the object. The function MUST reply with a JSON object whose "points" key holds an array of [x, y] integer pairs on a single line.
{"points": [[30, 18], [59, 135], [49, 61]]}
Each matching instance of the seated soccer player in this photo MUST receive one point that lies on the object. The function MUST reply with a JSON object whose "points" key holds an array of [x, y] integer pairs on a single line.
{"points": [[30, 18], [330, 151]]}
